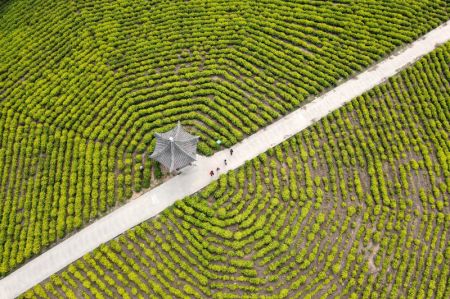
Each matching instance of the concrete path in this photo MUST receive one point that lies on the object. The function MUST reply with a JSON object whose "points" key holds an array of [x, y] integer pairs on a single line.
{"points": [[195, 178]]}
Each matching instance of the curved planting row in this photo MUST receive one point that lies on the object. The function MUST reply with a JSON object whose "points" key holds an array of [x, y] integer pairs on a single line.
{"points": [[356, 206], [85, 84]]}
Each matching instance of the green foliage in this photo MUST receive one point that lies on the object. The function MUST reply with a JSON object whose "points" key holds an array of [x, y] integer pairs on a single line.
{"points": [[365, 234]]}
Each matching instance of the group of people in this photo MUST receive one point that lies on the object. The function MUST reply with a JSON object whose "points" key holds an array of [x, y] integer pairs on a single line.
{"points": [[211, 173]]}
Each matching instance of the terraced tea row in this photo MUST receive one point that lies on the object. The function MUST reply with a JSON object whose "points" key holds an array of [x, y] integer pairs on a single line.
{"points": [[85, 84], [356, 206]]}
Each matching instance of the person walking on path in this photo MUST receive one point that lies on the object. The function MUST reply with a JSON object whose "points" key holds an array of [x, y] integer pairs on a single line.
{"points": [[225, 162], [217, 170], [231, 152], [211, 173]]}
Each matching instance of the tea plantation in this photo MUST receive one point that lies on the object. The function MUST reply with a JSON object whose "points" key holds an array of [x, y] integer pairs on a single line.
{"points": [[85, 84], [355, 206]]}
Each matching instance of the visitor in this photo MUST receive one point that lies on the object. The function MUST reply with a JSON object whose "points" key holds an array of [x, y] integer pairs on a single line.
{"points": [[231, 152], [225, 161], [217, 170], [211, 173]]}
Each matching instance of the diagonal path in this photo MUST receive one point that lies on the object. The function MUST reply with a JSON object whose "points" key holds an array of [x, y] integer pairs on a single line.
{"points": [[195, 178]]}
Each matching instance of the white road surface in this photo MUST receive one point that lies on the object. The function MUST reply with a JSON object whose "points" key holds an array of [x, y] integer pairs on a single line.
{"points": [[196, 177]]}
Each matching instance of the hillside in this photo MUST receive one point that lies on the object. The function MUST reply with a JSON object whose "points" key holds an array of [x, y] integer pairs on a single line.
{"points": [[355, 206], [85, 84]]}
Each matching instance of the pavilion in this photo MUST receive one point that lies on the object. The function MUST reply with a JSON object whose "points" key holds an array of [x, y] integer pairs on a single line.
{"points": [[176, 148]]}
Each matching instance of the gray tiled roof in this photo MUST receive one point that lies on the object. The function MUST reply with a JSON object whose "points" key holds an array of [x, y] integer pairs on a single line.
{"points": [[175, 148]]}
